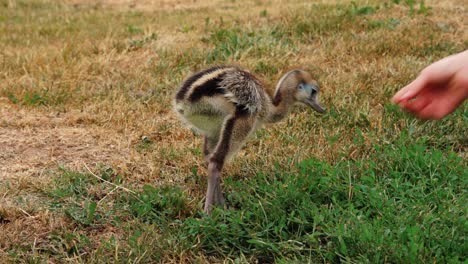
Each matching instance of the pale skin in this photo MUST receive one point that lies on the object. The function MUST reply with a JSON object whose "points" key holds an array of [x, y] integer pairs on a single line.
{"points": [[438, 90]]}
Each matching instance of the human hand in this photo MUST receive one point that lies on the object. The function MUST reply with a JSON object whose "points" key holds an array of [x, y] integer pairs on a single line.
{"points": [[438, 90]]}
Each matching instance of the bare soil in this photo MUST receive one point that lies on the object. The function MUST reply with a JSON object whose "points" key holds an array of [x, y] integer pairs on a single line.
{"points": [[32, 142]]}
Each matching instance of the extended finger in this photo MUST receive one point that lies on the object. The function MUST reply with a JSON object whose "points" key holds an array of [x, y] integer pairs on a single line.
{"points": [[417, 104], [411, 89], [427, 112], [435, 110]]}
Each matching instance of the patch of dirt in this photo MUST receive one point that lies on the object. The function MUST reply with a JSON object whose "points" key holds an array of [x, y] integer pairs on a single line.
{"points": [[31, 142]]}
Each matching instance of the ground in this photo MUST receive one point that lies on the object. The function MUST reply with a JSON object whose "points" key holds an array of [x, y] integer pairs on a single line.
{"points": [[86, 105]]}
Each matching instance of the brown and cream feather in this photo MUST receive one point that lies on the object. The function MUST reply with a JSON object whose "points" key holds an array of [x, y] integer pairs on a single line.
{"points": [[226, 104]]}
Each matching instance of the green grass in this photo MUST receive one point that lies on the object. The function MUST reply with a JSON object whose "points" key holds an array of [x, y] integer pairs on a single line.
{"points": [[363, 183], [406, 204]]}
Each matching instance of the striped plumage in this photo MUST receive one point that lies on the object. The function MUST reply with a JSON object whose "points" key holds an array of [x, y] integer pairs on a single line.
{"points": [[237, 86], [225, 104]]}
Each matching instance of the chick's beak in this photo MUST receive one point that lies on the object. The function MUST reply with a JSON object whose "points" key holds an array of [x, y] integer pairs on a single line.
{"points": [[313, 102]]}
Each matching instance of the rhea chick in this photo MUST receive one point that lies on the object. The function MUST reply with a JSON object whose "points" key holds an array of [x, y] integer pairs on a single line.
{"points": [[226, 104]]}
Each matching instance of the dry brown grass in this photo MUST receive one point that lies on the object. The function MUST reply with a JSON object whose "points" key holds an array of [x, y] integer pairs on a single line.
{"points": [[101, 94]]}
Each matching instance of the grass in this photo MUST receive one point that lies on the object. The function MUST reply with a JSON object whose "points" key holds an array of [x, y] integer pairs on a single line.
{"points": [[407, 204], [363, 183]]}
